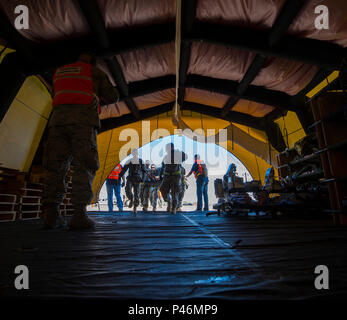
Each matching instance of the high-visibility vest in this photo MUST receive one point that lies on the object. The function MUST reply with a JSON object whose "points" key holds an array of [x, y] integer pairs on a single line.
{"points": [[200, 169], [73, 84], [115, 173]]}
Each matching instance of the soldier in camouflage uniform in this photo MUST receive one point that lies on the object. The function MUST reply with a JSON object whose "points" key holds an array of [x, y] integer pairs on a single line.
{"points": [[72, 137], [171, 171], [145, 187], [155, 186], [184, 187], [136, 169]]}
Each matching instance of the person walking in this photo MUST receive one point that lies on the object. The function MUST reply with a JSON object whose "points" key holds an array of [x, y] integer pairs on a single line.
{"points": [[201, 175], [171, 173], [114, 185], [136, 169], [145, 186], [155, 186]]}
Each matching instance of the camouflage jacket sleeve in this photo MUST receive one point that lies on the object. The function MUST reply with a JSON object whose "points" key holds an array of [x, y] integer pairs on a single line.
{"points": [[162, 169], [124, 170], [143, 167], [103, 87], [184, 156]]}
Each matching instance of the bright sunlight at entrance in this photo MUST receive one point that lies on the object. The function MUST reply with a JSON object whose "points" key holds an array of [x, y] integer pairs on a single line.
{"points": [[216, 158]]}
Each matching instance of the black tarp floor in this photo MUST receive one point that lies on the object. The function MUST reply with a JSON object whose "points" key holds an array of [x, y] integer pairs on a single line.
{"points": [[188, 255]]}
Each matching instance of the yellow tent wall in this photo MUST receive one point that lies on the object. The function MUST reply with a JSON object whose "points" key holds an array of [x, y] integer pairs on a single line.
{"points": [[23, 125], [291, 128]]}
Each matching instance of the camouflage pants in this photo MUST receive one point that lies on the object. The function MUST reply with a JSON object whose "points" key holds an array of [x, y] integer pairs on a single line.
{"points": [[132, 190], [181, 196], [171, 183], [154, 193], [144, 194], [68, 144]]}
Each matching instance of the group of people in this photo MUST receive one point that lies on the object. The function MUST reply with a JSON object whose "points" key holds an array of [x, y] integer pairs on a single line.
{"points": [[142, 185], [145, 182], [79, 88]]}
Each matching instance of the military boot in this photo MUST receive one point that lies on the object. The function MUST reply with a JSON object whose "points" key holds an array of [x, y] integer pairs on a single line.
{"points": [[52, 217], [173, 211], [130, 203], [145, 208], [168, 207], [134, 210], [80, 219]]}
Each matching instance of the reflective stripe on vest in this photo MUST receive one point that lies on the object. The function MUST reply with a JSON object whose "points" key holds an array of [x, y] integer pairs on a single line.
{"points": [[115, 173], [200, 169], [73, 84]]}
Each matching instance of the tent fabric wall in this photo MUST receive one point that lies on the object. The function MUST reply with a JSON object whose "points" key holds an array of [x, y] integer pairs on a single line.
{"points": [[114, 110], [125, 13], [154, 99], [57, 20], [23, 125], [206, 97], [53, 21], [221, 62], [291, 128], [258, 134], [262, 14], [232, 133], [218, 100], [252, 108], [63, 20], [150, 62]]}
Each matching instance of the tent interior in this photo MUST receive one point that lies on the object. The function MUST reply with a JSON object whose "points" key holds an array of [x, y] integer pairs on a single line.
{"points": [[256, 68]]}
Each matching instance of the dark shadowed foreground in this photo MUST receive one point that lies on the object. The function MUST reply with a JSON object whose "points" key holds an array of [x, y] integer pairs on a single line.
{"points": [[189, 255]]}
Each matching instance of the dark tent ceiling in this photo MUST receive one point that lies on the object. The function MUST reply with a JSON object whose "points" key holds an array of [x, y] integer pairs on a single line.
{"points": [[246, 61]]}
